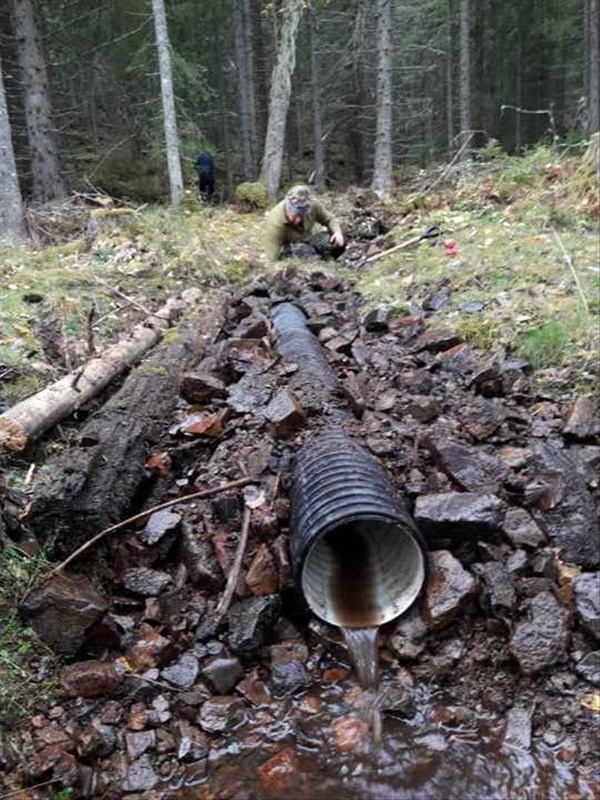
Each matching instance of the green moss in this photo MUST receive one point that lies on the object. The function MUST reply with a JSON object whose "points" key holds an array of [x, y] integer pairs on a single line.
{"points": [[255, 194], [546, 345]]}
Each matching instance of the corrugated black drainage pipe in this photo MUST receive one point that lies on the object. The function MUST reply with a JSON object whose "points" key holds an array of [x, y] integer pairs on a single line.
{"points": [[358, 555]]}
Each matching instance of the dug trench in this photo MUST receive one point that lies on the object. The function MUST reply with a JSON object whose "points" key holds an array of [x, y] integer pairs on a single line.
{"points": [[488, 685]]}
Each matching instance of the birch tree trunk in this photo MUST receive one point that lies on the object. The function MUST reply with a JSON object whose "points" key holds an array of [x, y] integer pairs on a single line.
{"points": [[12, 221], [281, 87], [168, 101], [382, 170], [594, 67], [316, 102], [465, 72], [241, 62], [48, 180]]}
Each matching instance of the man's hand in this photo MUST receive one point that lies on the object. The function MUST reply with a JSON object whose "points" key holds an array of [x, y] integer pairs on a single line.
{"points": [[337, 239]]}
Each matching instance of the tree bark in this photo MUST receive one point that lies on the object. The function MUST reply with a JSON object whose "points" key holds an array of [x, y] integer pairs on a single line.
{"points": [[12, 220], [95, 482], [382, 170], [281, 87], [28, 419], [168, 101], [316, 102], [465, 72], [251, 73], [449, 81], [48, 180], [594, 68], [241, 62]]}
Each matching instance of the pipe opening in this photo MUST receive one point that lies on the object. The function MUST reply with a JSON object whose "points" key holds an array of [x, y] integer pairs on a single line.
{"points": [[363, 572]]}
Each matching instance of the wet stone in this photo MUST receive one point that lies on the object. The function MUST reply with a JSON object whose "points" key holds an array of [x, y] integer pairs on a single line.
{"points": [[472, 469], [541, 639], [140, 776], [183, 672], [279, 775], [159, 524], [408, 639], [423, 408], [62, 610], [458, 513], [522, 530], [517, 562], [221, 714], [201, 387], [449, 589], [222, 674], [96, 741], [148, 650], [90, 678], [285, 413], [349, 734], [588, 668], [587, 601], [583, 421], [288, 673], [190, 741], [250, 622], [145, 581], [498, 590], [517, 729]]}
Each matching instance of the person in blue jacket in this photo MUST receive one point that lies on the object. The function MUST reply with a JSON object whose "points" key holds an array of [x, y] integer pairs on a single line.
{"points": [[205, 167]]}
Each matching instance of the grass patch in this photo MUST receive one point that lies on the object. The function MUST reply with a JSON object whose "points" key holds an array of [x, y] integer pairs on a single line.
{"points": [[24, 659], [546, 345]]}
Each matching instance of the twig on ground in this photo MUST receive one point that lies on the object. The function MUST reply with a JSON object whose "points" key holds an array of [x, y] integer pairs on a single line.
{"points": [[110, 313], [29, 476], [65, 336], [123, 296], [28, 789], [234, 572], [91, 344], [142, 514], [571, 266]]}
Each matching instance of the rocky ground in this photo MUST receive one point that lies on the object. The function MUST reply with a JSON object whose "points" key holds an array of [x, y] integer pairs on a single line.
{"points": [[159, 698]]}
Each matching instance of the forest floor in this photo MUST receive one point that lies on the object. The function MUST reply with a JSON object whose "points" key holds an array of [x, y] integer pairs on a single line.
{"points": [[522, 287]]}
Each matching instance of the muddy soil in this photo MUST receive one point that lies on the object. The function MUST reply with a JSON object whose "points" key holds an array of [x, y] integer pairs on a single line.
{"points": [[489, 687]]}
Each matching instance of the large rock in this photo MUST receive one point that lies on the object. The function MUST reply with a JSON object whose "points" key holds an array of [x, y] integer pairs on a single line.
{"points": [[62, 610], [90, 678], [521, 529], [583, 421], [470, 468], [587, 601], [563, 506], [449, 589], [250, 621], [458, 513], [541, 640]]}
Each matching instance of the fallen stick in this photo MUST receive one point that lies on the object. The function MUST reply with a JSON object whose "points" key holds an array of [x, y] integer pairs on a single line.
{"points": [[571, 266], [33, 416], [194, 496], [431, 233], [234, 572]]}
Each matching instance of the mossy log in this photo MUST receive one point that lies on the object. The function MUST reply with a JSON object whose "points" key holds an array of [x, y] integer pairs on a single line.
{"points": [[102, 475], [33, 416]]}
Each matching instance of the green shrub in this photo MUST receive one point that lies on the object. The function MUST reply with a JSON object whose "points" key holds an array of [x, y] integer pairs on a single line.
{"points": [[255, 194]]}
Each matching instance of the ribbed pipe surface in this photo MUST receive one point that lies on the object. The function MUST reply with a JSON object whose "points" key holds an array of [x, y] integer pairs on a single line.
{"points": [[297, 343], [358, 555]]}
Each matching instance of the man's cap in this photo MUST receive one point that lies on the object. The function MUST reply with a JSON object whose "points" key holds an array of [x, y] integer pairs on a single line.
{"points": [[299, 199]]}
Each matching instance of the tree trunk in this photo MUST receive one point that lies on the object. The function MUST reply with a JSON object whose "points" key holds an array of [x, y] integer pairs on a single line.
{"points": [[594, 68], [95, 482], [281, 87], [251, 73], [382, 170], [356, 138], [241, 62], [12, 220], [449, 81], [465, 73], [28, 419], [48, 181], [316, 102], [168, 101]]}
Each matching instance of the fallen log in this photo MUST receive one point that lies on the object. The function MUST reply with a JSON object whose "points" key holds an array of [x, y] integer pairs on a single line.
{"points": [[33, 416], [96, 481]]}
